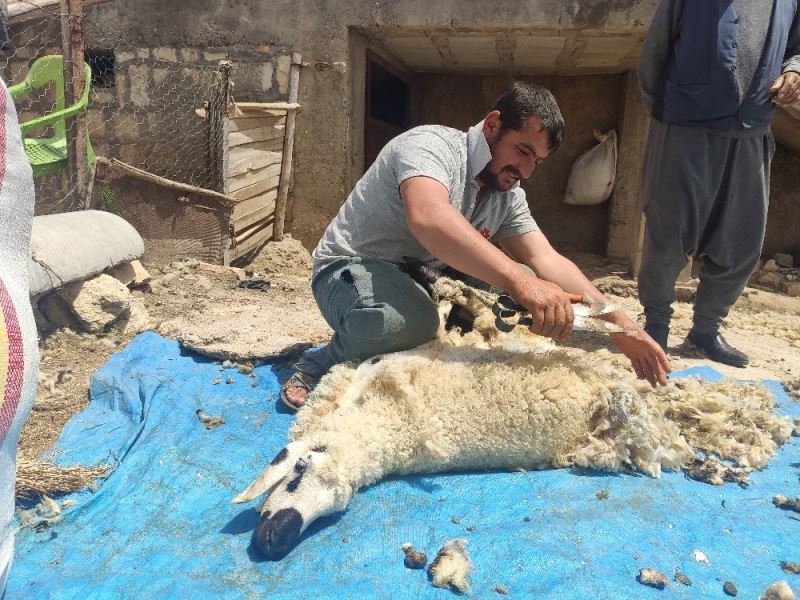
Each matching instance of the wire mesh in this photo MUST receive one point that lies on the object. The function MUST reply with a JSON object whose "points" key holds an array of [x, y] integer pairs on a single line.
{"points": [[142, 105], [154, 108]]}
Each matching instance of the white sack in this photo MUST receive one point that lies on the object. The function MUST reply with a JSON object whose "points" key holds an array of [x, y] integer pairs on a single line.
{"points": [[591, 178], [19, 353]]}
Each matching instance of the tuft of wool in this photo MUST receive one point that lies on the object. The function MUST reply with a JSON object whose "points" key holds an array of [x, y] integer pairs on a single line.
{"points": [[779, 590], [452, 566]]}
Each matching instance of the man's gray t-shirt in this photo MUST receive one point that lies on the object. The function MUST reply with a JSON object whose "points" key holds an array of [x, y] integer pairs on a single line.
{"points": [[372, 222]]}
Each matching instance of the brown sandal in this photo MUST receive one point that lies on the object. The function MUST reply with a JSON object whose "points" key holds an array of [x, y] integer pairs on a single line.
{"points": [[298, 379]]}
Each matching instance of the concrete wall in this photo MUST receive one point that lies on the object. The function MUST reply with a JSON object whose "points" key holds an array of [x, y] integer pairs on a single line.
{"points": [[333, 38], [323, 170], [587, 103], [783, 220]]}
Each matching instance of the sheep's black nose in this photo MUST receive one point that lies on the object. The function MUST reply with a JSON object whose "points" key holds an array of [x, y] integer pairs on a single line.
{"points": [[277, 534]]}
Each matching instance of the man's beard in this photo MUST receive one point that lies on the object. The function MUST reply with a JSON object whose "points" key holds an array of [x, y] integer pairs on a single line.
{"points": [[489, 179]]}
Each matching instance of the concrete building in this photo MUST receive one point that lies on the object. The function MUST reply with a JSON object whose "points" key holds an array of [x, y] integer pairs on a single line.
{"points": [[373, 69]]}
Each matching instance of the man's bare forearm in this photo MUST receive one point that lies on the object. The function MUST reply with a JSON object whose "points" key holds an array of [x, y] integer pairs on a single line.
{"points": [[446, 234]]}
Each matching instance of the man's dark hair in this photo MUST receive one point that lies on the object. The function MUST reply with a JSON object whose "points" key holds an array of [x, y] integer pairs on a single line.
{"points": [[523, 100]]}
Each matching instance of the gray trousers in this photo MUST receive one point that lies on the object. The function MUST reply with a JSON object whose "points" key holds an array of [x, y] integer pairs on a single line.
{"points": [[704, 195], [373, 308]]}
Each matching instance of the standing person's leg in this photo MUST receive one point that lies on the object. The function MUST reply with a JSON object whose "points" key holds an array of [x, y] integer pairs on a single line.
{"points": [[678, 188], [732, 242], [373, 308]]}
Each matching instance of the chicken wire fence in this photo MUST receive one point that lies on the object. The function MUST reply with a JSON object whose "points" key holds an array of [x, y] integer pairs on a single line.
{"points": [[144, 107]]}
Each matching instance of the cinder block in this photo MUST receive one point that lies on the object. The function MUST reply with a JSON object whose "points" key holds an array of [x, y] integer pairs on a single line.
{"points": [[139, 76], [169, 54], [284, 65]]}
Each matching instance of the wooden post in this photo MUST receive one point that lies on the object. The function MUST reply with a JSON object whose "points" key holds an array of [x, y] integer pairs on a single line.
{"points": [[217, 123], [69, 99], [288, 146], [77, 50], [624, 235]]}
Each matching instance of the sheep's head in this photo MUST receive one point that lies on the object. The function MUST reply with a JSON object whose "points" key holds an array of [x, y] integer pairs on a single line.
{"points": [[302, 484]]}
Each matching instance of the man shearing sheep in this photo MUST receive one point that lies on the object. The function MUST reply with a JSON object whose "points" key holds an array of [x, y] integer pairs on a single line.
{"points": [[442, 196]]}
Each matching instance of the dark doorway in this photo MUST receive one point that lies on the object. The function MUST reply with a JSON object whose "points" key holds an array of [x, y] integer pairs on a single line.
{"points": [[386, 108]]}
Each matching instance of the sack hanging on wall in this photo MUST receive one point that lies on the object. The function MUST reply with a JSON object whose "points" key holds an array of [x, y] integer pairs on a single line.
{"points": [[591, 178]]}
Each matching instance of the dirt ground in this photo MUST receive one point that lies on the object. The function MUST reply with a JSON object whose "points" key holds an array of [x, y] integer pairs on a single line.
{"points": [[207, 309]]}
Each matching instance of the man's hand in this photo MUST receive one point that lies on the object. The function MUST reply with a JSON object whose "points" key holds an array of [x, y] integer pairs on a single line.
{"points": [[550, 308], [786, 89], [647, 357]]}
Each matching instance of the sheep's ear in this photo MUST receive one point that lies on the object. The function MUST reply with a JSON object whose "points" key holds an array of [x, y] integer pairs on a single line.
{"points": [[270, 477]]}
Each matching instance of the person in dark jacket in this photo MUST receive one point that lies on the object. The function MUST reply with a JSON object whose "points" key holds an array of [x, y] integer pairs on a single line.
{"points": [[711, 73]]}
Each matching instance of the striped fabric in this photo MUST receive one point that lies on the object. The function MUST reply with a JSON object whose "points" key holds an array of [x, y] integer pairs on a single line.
{"points": [[18, 346], [12, 363]]}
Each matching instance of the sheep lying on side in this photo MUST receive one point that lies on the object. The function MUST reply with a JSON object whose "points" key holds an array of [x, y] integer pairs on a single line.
{"points": [[442, 407]]}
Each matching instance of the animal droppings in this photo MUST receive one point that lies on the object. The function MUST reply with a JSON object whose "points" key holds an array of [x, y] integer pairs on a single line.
{"points": [[681, 578], [730, 589], [786, 503], [210, 421], [414, 559], [652, 578], [790, 567], [602, 495], [779, 590]]}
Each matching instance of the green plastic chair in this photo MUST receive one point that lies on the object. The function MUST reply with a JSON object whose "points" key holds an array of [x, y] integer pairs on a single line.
{"points": [[49, 155]]}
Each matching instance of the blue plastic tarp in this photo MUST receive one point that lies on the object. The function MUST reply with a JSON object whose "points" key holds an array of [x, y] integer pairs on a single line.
{"points": [[162, 526]]}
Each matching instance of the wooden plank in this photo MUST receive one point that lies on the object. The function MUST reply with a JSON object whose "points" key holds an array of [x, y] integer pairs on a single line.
{"points": [[275, 145], [260, 235], [250, 136], [246, 206], [260, 106], [244, 160], [254, 216], [127, 169], [242, 182], [257, 114], [254, 230], [243, 124], [261, 186], [237, 183], [288, 146]]}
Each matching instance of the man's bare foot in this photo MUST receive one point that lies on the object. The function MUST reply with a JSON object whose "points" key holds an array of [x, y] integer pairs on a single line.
{"points": [[296, 389]]}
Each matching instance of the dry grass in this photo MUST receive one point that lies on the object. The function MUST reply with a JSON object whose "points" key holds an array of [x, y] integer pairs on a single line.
{"points": [[38, 478]]}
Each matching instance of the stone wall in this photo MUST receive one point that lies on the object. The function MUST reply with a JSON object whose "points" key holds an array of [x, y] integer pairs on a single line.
{"points": [[322, 32], [147, 116]]}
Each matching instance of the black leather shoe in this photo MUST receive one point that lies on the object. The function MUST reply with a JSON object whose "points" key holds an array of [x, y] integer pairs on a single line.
{"points": [[714, 346], [659, 333]]}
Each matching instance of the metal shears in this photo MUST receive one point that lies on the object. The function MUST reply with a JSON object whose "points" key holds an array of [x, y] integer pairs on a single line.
{"points": [[509, 314]]}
